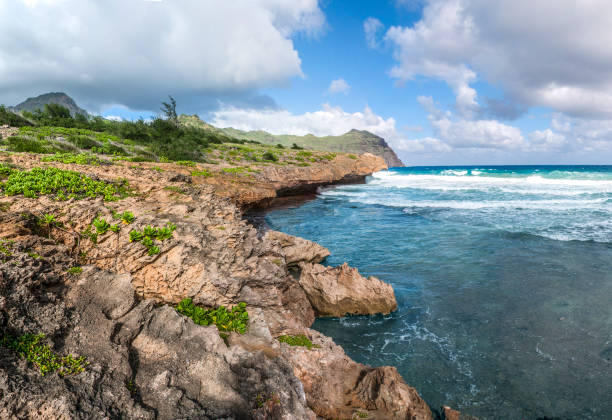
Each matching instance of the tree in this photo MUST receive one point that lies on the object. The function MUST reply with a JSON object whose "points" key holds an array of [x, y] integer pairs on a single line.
{"points": [[169, 109]]}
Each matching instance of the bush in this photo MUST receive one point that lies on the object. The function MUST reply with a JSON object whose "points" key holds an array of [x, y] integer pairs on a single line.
{"points": [[24, 144], [10, 118], [296, 147], [83, 142], [269, 156]]}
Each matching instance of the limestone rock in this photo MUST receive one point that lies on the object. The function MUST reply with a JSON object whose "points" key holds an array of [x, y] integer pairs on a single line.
{"points": [[296, 249], [338, 387], [337, 291]]}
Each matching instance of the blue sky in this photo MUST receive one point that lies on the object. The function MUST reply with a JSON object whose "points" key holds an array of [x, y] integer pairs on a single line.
{"points": [[443, 81]]}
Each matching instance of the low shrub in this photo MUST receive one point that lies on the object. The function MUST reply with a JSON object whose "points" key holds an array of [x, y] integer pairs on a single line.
{"points": [[269, 156], [25, 144]]}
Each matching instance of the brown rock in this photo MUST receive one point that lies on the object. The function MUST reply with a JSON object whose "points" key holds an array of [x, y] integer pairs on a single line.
{"points": [[338, 387], [342, 290], [297, 250]]}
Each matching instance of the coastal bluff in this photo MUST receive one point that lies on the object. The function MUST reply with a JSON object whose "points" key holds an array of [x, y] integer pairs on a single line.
{"points": [[112, 300]]}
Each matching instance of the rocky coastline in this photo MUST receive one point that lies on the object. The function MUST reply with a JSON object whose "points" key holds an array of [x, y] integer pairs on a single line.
{"points": [[145, 360]]}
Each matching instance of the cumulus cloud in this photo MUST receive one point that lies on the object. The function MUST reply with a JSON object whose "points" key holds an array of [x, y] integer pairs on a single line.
{"points": [[562, 61], [136, 52], [329, 120], [372, 28], [339, 86]]}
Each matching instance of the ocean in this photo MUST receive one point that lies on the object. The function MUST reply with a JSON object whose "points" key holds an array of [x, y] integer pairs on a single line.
{"points": [[503, 276]]}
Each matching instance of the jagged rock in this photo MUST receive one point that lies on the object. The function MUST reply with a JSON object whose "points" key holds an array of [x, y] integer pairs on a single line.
{"points": [[297, 250], [450, 414], [338, 387], [337, 291], [146, 360]]}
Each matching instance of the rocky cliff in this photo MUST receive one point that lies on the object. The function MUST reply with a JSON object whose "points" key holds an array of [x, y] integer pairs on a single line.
{"points": [[76, 272]]}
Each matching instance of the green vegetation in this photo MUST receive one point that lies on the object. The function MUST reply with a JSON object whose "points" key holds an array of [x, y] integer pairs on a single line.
{"points": [[186, 163], [78, 158], [205, 173], [149, 234], [269, 156], [127, 217], [174, 189], [63, 184], [352, 156], [297, 340], [235, 319], [75, 270], [5, 247], [32, 348], [9, 118], [102, 226], [74, 137], [34, 255], [47, 220]]}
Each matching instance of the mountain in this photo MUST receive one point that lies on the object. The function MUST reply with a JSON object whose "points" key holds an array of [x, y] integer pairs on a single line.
{"points": [[354, 141], [39, 102]]}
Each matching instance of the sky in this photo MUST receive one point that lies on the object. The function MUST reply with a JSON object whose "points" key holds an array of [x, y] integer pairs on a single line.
{"points": [[445, 82]]}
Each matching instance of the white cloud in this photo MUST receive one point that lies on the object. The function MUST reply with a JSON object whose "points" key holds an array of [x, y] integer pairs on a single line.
{"points": [[423, 145], [339, 86], [553, 54], [327, 121], [136, 52], [372, 28]]}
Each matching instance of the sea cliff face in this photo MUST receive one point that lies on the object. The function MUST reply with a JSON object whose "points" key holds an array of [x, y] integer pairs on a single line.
{"points": [[112, 301]]}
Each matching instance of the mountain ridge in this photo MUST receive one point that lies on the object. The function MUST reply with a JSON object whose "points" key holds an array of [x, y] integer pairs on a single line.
{"points": [[38, 102]]}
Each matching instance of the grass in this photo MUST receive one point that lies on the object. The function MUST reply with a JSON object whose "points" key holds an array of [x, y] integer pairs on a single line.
{"points": [[297, 340], [32, 348], [62, 184], [150, 234], [235, 319]]}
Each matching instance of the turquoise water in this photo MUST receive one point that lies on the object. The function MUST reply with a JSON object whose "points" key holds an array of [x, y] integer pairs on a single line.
{"points": [[503, 277]]}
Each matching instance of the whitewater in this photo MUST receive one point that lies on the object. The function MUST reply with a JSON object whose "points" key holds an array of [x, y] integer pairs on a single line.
{"points": [[503, 277]]}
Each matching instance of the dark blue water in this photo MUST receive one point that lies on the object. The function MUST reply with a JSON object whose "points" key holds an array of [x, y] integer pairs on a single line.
{"points": [[503, 277]]}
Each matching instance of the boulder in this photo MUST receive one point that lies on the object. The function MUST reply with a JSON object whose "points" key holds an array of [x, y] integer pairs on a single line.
{"points": [[338, 387], [297, 250], [337, 291]]}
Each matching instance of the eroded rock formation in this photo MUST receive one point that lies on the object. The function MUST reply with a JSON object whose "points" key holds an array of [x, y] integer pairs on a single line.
{"points": [[337, 291], [146, 360]]}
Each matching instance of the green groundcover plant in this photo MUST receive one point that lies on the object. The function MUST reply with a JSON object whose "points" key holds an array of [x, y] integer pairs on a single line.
{"points": [[235, 319], [32, 348], [63, 184]]}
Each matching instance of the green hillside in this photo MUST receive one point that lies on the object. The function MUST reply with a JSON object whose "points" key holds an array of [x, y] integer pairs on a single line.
{"points": [[355, 141]]}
